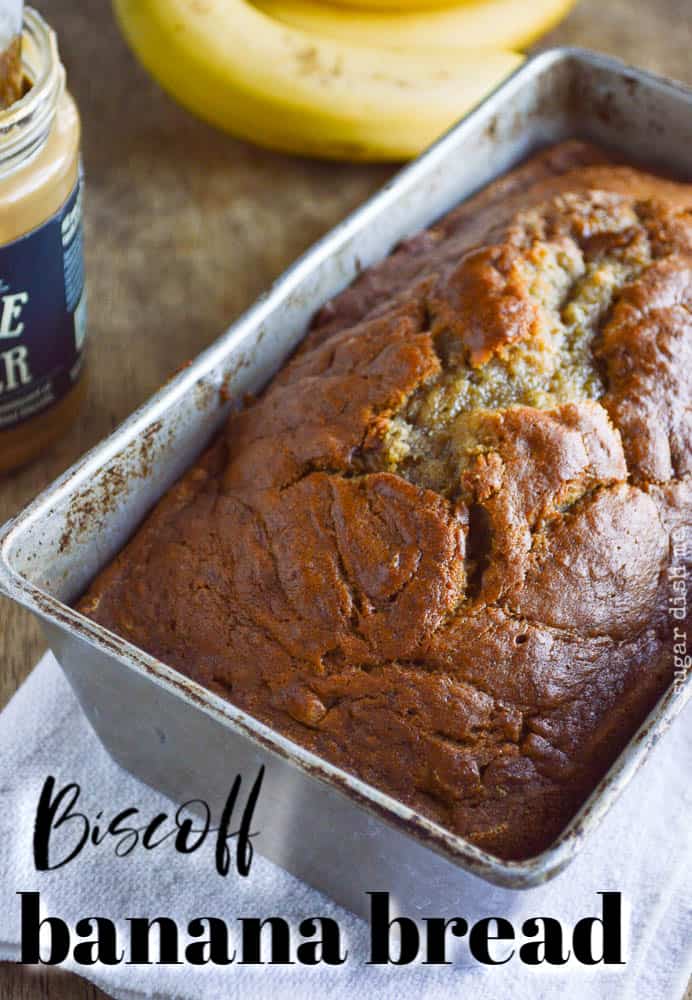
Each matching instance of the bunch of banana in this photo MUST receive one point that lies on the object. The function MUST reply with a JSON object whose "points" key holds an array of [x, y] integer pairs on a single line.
{"points": [[321, 79]]}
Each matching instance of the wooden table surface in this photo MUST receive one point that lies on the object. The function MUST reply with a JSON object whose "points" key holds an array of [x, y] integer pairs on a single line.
{"points": [[185, 227]]}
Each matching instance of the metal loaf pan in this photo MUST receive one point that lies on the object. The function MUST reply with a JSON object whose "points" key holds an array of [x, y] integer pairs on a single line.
{"points": [[325, 826]]}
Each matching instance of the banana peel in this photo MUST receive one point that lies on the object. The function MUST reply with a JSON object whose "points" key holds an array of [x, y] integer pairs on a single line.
{"points": [[496, 24], [295, 92], [393, 5]]}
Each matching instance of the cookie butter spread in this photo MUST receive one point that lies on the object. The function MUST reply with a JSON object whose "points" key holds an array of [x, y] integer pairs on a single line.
{"points": [[437, 550], [11, 73], [42, 302]]}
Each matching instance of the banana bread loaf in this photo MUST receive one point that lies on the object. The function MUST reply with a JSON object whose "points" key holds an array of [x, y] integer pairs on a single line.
{"points": [[436, 550]]}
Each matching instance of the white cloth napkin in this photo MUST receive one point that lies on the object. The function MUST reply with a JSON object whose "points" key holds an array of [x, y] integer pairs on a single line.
{"points": [[643, 849]]}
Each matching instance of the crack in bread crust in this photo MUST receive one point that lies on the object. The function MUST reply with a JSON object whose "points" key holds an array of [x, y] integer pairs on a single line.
{"points": [[435, 549]]}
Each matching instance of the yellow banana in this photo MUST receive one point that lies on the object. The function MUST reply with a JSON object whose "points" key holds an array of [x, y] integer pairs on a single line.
{"points": [[297, 92], [497, 24], [392, 5]]}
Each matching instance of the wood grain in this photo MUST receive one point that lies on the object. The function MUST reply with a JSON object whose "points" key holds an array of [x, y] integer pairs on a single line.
{"points": [[185, 227]]}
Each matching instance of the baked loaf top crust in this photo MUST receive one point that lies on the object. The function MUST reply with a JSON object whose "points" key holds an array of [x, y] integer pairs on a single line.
{"points": [[435, 550]]}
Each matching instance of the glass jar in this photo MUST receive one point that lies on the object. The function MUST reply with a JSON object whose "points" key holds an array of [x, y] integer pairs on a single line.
{"points": [[42, 299]]}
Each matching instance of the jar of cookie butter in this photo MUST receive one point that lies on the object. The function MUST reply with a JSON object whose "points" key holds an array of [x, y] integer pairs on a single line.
{"points": [[42, 300]]}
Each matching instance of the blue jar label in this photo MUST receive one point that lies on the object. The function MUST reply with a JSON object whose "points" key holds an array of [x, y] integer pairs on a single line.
{"points": [[42, 314]]}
